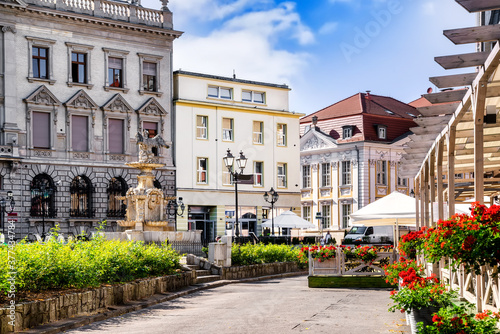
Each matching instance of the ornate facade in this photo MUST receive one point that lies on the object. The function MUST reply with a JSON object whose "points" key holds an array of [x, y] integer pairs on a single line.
{"points": [[77, 82]]}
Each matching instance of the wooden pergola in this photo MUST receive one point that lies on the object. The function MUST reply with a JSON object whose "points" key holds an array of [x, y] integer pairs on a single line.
{"points": [[460, 133]]}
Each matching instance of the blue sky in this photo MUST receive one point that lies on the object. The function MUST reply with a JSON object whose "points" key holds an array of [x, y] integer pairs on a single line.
{"points": [[325, 50]]}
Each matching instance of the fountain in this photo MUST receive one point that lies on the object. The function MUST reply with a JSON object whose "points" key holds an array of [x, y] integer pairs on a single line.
{"points": [[145, 217]]}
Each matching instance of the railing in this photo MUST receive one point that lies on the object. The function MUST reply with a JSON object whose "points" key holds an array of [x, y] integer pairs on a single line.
{"points": [[482, 290], [110, 9], [342, 265], [183, 247]]}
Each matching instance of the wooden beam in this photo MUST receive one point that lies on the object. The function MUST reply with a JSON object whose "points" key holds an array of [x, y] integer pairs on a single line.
{"points": [[473, 34], [428, 138], [417, 199], [453, 80], [473, 6], [415, 144], [431, 129], [427, 121], [446, 96], [450, 141], [439, 176], [462, 60], [409, 150]]}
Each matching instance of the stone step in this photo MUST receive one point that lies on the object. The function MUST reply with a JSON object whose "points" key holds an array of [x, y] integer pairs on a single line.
{"points": [[193, 266], [206, 279], [203, 273]]}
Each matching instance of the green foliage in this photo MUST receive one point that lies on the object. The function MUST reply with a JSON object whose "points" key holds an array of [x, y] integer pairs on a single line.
{"points": [[247, 254], [81, 264], [459, 319]]}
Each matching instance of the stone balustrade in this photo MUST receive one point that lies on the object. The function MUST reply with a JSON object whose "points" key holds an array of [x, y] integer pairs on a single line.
{"points": [[120, 11]]}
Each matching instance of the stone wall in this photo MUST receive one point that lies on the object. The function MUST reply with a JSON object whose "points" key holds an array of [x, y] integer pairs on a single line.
{"points": [[36, 313], [256, 270]]}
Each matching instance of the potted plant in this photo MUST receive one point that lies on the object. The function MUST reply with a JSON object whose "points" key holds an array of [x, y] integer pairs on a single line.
{"points": [[410, 243], [393, 270], [458, 319]]}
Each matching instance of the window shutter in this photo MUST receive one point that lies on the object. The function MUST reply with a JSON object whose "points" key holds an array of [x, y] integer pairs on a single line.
{"points": [[149, 68], [41, 130], [79, 130], [152, 128], [115, 136], [115, 63]]}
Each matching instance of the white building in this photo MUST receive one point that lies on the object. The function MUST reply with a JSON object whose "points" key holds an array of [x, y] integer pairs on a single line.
{"points": [[214, 114], [350, 155]]}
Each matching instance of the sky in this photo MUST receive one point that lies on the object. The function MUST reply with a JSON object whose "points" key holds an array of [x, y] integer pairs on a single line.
{"points": [[324, 50]]}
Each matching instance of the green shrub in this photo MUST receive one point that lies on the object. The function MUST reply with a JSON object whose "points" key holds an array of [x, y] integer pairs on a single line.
{"points": [[248, 254], [81, 264]]}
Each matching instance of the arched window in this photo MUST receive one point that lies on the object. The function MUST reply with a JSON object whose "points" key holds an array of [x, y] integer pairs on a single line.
{"points": [[81, 197], [117, 187], [43, 196]]}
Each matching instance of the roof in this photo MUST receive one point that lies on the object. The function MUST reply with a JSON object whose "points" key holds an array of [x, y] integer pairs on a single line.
{"points": [[217, 77], [364, 103], [420, 102]]}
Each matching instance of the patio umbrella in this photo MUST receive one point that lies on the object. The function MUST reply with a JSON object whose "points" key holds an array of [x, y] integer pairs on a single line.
{"points": [[288, 219]]}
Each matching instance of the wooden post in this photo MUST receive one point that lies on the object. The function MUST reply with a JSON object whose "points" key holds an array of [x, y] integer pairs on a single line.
{"points": [[450, 138], [432, 186], [418, 221], [426, 194], [439, 174]]}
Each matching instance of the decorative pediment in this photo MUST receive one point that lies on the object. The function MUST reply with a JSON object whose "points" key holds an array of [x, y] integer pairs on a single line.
{"points": [[152, 107], [42, 95], [81, 100], [117, 103], [314, 140], [314, 143]]}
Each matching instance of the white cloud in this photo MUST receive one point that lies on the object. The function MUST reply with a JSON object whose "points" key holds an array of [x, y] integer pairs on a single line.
{"points": [[247, 42], [328, 28]]}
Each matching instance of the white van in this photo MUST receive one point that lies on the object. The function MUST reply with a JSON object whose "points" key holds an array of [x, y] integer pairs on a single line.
{"points": [[360, 234]]}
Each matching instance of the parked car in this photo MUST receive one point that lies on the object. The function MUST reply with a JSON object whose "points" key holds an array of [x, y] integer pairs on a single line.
{"points": [[360, 234]]}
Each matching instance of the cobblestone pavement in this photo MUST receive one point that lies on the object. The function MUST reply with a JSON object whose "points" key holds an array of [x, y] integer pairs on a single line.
{"points": [[284, 305]]}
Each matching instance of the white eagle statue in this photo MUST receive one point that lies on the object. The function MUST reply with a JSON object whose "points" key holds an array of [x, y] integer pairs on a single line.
{"points": [[146, 144]]}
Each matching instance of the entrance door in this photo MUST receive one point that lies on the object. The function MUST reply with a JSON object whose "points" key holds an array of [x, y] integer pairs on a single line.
{"points": [[207, 227]]}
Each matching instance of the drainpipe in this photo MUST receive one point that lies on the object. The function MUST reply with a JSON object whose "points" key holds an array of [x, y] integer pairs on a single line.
{"points": [[359, 176]]}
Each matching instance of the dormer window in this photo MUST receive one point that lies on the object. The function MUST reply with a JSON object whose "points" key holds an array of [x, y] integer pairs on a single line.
{"points": [[382, 131], [347, 131]]}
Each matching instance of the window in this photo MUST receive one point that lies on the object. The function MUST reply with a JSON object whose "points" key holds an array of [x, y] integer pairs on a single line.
{"points": [[381, 172], [220, 92], [79, 133], [281, 132], [306, 213], [402, 182], [306, 176], [258, 132], [115, 72], [326, 215], [202, 171], [459, 176], [227, 129], [116, 69], [40, 59], [346, 211], [326, 174], [250, 96], [81, 197], [41, 130], [116, 136], [258, 172], [40, 62], [382, 131], [152, 128], [347, 132], [346, 173], [79, 67], [79, 64], [117, 187], [149, 77], [201, 127], [149, 66], [227, 177], [282, 182], [43, 196]]}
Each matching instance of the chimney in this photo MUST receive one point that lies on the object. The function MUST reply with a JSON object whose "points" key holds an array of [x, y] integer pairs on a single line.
{"points": [[368, 94]]}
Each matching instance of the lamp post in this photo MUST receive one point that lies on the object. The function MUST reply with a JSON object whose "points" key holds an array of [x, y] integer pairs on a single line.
{"points": [[274, 199], [241, 161], [4, 202], [173, 206]]}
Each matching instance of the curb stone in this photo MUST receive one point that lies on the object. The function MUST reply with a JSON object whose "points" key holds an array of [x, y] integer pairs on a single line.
{"points": [[118, 310]]}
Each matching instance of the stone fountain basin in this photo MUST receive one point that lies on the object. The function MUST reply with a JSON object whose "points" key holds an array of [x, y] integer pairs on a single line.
{"points": [[126, 223], [156, 223]]}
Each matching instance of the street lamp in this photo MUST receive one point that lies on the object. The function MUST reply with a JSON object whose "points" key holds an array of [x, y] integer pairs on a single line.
{"points": [[173, 206], [241, 161], [274, 199], [4, 202]]}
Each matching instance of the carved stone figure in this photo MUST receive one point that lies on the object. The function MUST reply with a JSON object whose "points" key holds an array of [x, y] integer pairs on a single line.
{"points": [[146, 144]]}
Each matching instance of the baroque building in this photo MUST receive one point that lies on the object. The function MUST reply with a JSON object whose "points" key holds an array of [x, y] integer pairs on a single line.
{"points": [[350, 155], [78, 80], [214, 114]]}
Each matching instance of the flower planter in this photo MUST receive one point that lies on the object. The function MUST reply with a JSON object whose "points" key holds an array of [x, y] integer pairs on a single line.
{"points": [[421, 315]]}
